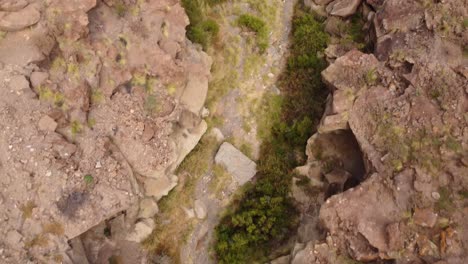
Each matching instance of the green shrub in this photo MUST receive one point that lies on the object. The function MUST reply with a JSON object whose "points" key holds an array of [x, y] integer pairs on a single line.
{"points": [[201, 30], [258, 26], [204, 33]]}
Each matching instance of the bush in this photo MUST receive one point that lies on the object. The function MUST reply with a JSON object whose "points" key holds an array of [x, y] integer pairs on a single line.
{"points": [[204, 33], [258, 26], [201, 30]]}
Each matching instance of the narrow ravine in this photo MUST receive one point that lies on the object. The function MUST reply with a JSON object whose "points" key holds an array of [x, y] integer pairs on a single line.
{"points": [[242, 76]]}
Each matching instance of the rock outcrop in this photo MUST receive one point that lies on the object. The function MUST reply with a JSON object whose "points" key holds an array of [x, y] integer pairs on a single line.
{"points": [[236, 163], [99, 103], [406, 105]]}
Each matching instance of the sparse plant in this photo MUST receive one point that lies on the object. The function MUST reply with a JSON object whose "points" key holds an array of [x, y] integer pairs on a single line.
{"points": [[139, 79], [88, 179], [75, 127], [54, 228], [371, 77], [151, 105], [27, 209]]}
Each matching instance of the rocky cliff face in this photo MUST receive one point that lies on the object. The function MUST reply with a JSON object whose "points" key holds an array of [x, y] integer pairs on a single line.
{"points": [[99, 103], [406, 105]]}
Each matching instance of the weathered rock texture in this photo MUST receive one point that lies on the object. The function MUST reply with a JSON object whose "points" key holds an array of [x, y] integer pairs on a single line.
{"points": [[96, 98], [406, 105], [236, 163]]}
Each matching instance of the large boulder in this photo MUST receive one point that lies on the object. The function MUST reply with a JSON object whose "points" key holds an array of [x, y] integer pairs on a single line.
{"points": [[343, 8], [236, 163], [21, 19]]}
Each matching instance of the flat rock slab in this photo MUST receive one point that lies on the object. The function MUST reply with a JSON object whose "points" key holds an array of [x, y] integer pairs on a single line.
{"points": [[236, 163]]}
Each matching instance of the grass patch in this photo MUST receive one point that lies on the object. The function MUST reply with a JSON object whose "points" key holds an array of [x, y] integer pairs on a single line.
{"points": [[54, 228], [261, 218], [27, 209], [445, 202]]}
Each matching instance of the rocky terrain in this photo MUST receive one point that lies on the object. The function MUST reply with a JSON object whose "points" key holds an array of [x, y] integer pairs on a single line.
{"points": [[100, 101], [403, 199]]}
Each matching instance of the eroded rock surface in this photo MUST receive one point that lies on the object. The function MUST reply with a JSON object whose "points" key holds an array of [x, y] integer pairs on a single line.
{"points": [[406, 105], [94, 101]]}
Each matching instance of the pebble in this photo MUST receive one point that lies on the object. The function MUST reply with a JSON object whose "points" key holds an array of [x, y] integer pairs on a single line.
{"points": [[435, 195]]}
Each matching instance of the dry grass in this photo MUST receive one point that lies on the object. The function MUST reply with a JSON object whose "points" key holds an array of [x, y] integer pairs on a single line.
{"points": [[54, 228], [27, 209], [221, 179], [172, 224], [38, 241]]}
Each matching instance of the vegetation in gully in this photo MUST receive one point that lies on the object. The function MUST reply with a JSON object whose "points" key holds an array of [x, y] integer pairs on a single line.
{"points": [[264, 214]]}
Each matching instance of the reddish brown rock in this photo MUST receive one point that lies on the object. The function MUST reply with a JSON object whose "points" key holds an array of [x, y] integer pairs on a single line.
{"points": [[425, 217]]}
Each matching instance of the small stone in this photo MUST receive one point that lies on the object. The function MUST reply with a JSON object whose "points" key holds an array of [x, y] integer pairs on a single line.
{"points": [[425, 217], [142, 230], [190, 213], [435, 195], [98, 165], [46, 123], [148, 133], [217, 134], [148, 208], [18, 83], [23, 18], [38, 78], [13, 238], [204, 112], [200, 209]]}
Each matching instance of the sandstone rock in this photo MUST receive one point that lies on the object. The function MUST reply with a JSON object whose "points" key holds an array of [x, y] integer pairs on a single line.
{"points": [[148, 133], [18, 83], [304, 256], [158, 187], [370, 221], [46, 123], [38, 78], [425, 217], [318, 9], [282, 260], [189, 212], [148, 208], [322, 2], [77, 253], [194, 94], [142, 230], [343, 8], [236, 163], [185, 141], [13, 238], [200, 209], [20, 48], [334, 122], [338, 177], [20, 19], [375, 3], [217, 134], [13, 5]]}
